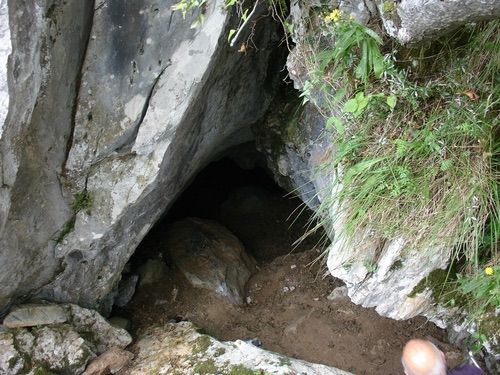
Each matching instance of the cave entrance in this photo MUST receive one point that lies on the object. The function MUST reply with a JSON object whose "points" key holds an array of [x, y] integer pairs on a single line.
{"points": [[290, 305], [239, 193]]}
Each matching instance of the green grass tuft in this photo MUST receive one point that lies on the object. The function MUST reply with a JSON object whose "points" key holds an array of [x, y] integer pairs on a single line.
{"points": [[416, 146]]}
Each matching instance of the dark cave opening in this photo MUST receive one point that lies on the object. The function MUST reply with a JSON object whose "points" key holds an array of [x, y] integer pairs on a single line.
{"points": [[289, 304], [238, 192]]}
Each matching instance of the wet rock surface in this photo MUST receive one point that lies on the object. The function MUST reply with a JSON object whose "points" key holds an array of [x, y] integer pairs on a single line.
{"points": [[210, 257]]}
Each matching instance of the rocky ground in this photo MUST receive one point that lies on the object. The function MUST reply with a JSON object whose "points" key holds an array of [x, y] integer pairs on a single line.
{"points": [[231, 292], [291, 307], [289, 312]]}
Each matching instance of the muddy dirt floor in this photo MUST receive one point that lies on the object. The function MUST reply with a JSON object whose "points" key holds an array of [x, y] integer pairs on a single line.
{"points": [[288, 309]]}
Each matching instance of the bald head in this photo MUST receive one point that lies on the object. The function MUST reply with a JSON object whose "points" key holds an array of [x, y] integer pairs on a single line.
{"points": [[420, 357]]}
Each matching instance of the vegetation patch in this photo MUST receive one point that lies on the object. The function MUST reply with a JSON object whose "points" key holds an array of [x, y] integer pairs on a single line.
{"points": [[205, 367], [219, 352], [201, 344], [82, 201], [67, 229], [242, 370], [417, 146], [42, 371]]}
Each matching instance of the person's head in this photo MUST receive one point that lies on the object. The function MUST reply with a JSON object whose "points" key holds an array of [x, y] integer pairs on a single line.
{"points": [[421, 357]]}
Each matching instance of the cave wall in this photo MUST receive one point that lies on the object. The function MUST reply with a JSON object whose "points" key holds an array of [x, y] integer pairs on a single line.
{"points": [[125, 121], [297, 145], [48, 40], [5, 49]]}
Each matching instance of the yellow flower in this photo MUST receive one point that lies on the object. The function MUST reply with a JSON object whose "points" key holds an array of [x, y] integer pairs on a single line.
{"points": [[489, 271], [333, 16]]}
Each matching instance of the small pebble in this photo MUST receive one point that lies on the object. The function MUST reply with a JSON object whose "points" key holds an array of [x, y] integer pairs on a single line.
{"points": [[293, 266]]}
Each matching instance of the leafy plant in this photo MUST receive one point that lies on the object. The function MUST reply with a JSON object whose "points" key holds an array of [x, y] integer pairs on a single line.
{"points": [[185, 6], [416, 146], [82, 201], [484, 290]]}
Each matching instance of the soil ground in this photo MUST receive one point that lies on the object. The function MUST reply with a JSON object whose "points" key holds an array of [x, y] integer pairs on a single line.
{"points": [[290, 314], [288, 309]]}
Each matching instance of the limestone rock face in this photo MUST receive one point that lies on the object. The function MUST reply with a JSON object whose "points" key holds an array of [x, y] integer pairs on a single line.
{"points": [[35, 315], [411, 21], [210, 257], [180, 349], [5, 49], [47, 51], [115, 104], [62, 347]]}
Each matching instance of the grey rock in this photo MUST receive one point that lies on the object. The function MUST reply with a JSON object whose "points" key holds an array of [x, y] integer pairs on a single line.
{"points": [[357, 9], [126, 290], [119, 322], [210, 257], [11, 361], [174, 347], [5, 49], [151, 271], [412, 21], [90, 322], [56, 348], [35, 315], [128, 118], [338, 293], [43, 69], [61, 349], [109, 362]]}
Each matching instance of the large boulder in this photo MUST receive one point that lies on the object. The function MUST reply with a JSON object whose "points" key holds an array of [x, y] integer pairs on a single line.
{"points": [[210, 257], [114, 108]]}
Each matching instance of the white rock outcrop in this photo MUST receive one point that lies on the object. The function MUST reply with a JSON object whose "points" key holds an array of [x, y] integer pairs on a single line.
{"points": [[5, 49], [180, 349]]}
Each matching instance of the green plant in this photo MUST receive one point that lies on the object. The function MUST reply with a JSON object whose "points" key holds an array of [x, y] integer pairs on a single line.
{"points": [[42, 371], [201, 344], [205, 367], [242, 370], [185, 6], [417, 146], [482, 291], [411, 160], [370, 265], [67, 228], [82, 201]]}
